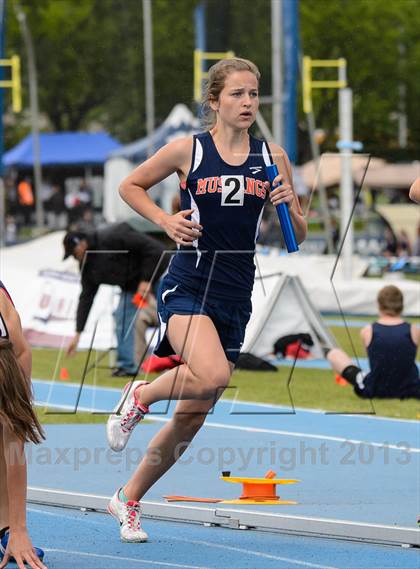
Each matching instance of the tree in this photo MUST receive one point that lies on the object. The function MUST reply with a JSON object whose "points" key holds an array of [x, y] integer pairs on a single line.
{"points": [[368, 34], [91, 70], [90, 61]]}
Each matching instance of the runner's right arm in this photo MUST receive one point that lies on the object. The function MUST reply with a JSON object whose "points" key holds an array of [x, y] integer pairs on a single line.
{"points": [[174, 157]]}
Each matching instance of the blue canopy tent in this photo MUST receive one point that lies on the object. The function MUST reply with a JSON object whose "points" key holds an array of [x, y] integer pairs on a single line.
{"points": [[67, 158], [63, 149]]}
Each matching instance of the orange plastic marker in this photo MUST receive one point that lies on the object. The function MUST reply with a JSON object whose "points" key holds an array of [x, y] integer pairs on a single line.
{"points": [[64, 374], [192, 499], [270, 474]]}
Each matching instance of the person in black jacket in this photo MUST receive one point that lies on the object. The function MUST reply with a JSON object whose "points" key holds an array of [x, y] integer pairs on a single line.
{"points": [[115, 255]]}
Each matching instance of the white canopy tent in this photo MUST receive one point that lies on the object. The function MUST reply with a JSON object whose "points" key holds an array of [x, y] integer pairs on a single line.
{"points": [[379, 174], [402, 217], [180, 122], [281, 306]]}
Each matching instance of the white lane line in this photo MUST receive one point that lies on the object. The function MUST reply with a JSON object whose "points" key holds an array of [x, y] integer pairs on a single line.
{"points": [[318, 411], [237, 402], [130, 559], [75, 386], [64, 516], [195, 542], [71, 408], [256, 553], [403, 447]]}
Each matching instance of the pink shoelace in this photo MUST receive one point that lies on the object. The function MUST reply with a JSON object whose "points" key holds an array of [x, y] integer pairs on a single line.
{"points": [[131, 418], [133, 515]]}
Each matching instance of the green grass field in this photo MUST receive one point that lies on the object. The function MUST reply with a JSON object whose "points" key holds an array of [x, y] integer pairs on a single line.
{"points": [[309, 388]]}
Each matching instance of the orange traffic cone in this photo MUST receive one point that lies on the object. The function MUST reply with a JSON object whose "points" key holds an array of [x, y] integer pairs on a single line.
{"points": [[64, 374]]}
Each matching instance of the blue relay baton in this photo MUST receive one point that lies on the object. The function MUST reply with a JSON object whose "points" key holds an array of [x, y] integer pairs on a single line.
{"points": [[284, 215]]}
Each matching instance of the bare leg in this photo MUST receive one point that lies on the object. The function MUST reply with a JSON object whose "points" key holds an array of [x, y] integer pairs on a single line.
{"points": [[206, 370], [167, 446], [4, 502], [339, 360], [205, 360]]}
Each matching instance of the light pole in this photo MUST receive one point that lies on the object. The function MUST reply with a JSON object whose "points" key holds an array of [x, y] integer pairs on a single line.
{"points": [[346, 185], [149, 76], [34, 111], [277, 70]]}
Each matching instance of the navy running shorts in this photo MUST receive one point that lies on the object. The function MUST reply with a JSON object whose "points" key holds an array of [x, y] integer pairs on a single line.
{"points": [[230, 319]]}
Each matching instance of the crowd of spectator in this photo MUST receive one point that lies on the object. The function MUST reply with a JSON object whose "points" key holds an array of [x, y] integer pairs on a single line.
{"points": [[62, 210], [74, 210]]}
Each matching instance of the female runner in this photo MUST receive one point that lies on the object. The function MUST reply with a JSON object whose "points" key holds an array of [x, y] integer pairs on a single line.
{"points": [[204, 300]]}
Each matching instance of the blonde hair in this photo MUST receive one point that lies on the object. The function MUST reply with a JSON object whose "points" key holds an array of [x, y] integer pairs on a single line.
{"points": [[16, 411], [390, 300], [216, 81]]}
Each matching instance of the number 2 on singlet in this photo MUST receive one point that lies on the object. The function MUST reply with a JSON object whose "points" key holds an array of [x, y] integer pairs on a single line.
{"points": [[233, 190]]}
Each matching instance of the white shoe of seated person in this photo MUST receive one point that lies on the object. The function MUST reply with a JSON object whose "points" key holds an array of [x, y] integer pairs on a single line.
{"points": [[129, 516], [126, 415]]}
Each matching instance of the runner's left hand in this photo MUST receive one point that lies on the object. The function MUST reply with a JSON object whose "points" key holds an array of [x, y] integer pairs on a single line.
{"points": [[20, 548], [283, 193]]}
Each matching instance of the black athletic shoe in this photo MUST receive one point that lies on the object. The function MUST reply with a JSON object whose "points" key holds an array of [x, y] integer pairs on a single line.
{"points": [[121, 372]]}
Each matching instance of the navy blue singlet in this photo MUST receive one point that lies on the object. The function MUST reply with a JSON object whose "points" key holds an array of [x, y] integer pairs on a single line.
{"points": [[392, 355], [228, 202]]}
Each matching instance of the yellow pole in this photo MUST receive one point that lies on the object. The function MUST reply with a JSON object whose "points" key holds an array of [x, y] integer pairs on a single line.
{"points": [[14, 82], [199, 74], [308, 84], [306, 80], [16, 85]]}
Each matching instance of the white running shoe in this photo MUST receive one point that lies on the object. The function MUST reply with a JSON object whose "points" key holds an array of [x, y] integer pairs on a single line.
{"points": [[120, 425], [129, 516]]}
